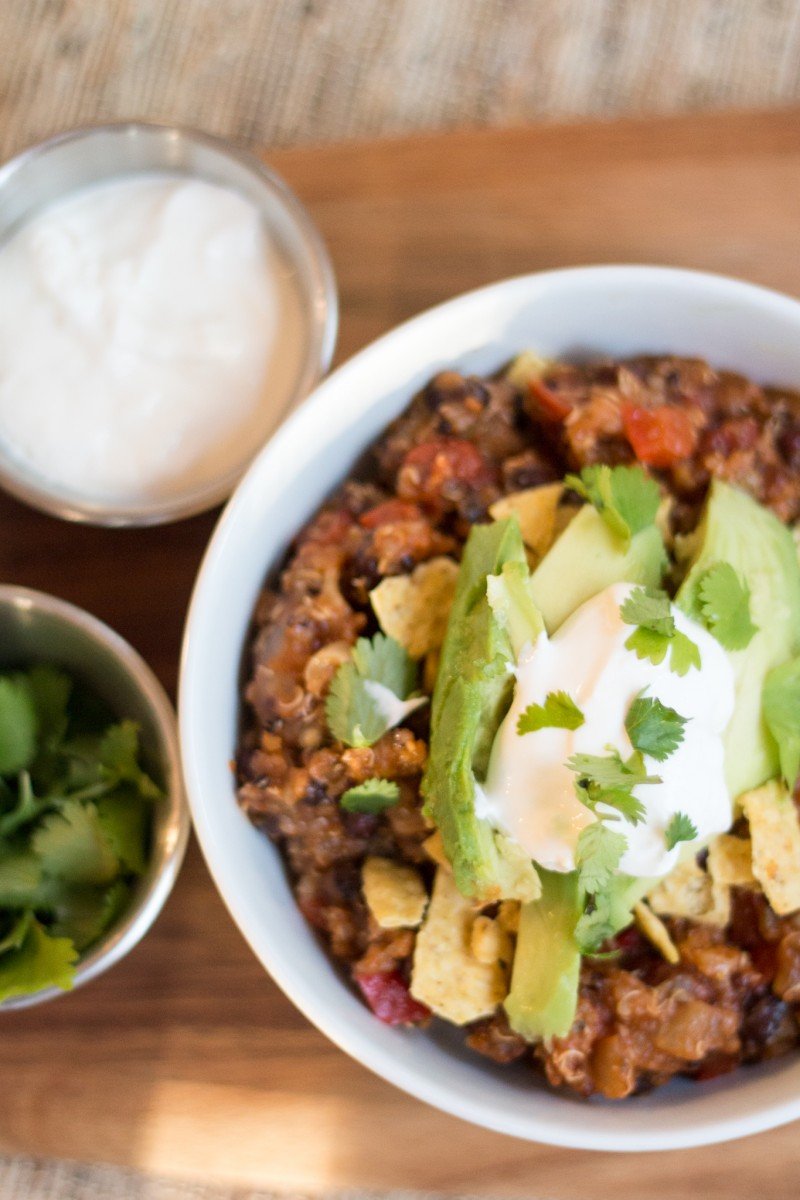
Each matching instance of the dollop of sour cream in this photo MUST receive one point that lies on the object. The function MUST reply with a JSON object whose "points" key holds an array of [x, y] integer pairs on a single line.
{"points": [[150, 331], [529, 793]]}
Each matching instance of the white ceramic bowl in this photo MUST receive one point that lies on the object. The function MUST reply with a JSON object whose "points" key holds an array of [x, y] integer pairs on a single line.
{"points": [[610, 310]]}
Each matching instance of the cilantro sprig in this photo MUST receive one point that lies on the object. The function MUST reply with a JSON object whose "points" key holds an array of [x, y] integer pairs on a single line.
{"points": [[680, 829], [607, 780], [355, 715], [780, 704], [559, 711], [373, 796], [724, 601], [656, 634], [625, 497], [75, 816], [654, 728]]}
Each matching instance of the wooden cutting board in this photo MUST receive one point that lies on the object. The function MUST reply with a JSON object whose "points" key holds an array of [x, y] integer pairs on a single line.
{"points": [[185, 1059]]}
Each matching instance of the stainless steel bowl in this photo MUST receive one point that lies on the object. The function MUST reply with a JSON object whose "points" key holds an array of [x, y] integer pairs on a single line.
{"points": [[52, 169], [39, 628]]}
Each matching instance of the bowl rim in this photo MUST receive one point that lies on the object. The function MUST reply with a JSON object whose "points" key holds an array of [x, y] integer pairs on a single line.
{"points": [[340, 1028], [322, 320], [140, 915]]}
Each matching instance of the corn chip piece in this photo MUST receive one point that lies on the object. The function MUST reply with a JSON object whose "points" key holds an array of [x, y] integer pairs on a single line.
{"points": [[445, 975], [730, 860], [434, 848], [413, 609], [656, 932], [685, 892], [508, 915], [490, 942], [775, 834], [395, 894], [536, 509]]}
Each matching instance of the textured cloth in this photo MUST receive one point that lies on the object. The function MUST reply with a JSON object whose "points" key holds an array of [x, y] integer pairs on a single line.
{"points": [[279, 72], [26, 1179]]}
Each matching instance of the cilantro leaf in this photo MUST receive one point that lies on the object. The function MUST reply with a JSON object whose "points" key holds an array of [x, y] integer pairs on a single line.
{"points": [[17, 931], [40, 961], [598, 854], [780, 704], [680, 829], [559, 711], [119, 754], [684, 654], [84, 913], [654, 728], [124, 821], [724, 601], [373, 796], [656, 635], [18, 724], [608, 771], [625, 497], [72, 845], [594, 927], [650, 609], [354, 715], [50, 689]]}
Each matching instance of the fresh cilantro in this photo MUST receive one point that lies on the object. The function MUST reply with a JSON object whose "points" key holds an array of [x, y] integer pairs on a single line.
{"points": [[650, 609], [724, 601], [373, 796], [18, 724], [75, 817], [39, 961], [598, 854], [559, 711], [625, 497], [595, 926], [656, 635], [654, 728], [680, 829], [354, 715], [780, 704]]}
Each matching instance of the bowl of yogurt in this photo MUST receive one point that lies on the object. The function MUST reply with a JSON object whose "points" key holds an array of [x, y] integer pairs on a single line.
{"points": [[167, 301]]}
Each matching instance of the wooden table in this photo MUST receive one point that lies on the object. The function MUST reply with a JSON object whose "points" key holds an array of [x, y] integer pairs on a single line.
{"points": [[185, 1059]]}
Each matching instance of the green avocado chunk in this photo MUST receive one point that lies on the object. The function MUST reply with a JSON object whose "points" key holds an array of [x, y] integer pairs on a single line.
{"points": [[544, 980], [473, 691], [735, 529], [589, 557]]}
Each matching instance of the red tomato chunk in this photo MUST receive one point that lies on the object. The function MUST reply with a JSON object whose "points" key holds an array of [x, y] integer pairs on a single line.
{"points": [[389, 998]]}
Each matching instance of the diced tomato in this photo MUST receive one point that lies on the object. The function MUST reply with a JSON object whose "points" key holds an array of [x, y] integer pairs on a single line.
{"points": [[388, 513], [388, 996], [428, 467], [548, 401], [328, 528], [660, 437]]}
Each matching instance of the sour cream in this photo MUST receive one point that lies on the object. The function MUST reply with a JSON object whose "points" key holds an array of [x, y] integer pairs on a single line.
{"points": [[529, 792], [149, 330]]}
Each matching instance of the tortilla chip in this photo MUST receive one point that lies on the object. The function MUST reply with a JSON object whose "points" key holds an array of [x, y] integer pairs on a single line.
{"points": [[445, 975], [775, 834], [656, 932], [730, 861], [490, 943], [536, 509], [413, 609], [395, 894], [685, 892], [508, 915], [526, 367], [434, 848]]}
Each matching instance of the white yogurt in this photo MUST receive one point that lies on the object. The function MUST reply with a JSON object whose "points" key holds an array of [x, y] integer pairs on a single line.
{"points": [[148, 331], [530, 792]]}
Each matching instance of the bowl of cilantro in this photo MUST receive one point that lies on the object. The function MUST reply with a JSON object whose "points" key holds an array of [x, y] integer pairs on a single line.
{"points": [[93, 819]]}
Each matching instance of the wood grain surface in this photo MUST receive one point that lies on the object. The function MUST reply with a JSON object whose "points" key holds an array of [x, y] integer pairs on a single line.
{"points": [[186, 1059]]}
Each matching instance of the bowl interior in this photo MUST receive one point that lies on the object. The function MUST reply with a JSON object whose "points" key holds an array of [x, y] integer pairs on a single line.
{"points": [[39, 629], [49, 172], [613, 311]]}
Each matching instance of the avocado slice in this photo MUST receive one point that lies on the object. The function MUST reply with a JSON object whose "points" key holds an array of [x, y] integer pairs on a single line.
{"points": [[544, 979], [589, 557], [736, 529], [473, 691]]}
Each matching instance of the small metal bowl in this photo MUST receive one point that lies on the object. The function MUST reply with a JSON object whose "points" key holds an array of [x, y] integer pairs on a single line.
{"points": [[54, 168], [39, 628]]}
